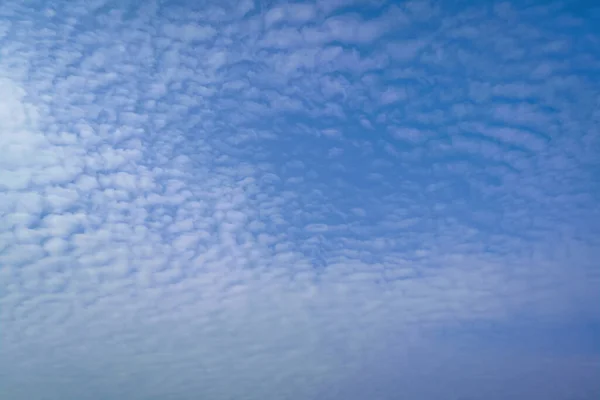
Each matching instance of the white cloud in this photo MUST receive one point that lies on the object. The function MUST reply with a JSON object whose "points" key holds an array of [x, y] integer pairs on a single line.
{"points": [[171, 206], [291, 13]]}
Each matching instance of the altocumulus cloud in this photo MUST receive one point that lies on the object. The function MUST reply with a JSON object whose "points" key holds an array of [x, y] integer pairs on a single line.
{"points": [[274, 200]]}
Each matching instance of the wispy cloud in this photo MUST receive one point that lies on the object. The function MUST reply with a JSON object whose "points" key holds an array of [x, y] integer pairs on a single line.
{"points": [[300, 200]]}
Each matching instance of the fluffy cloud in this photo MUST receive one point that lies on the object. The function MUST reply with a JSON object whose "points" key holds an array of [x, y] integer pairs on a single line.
{"points": [[297, 200]]}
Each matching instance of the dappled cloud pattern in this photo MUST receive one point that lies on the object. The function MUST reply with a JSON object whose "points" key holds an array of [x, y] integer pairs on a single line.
{"points": [[272, 200]]}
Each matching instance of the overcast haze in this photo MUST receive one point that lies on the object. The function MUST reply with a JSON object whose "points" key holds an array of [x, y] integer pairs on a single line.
{"points": [[263, 200]]}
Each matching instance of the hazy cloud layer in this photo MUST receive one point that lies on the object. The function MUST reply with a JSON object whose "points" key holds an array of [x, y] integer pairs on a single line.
{"points": [[270, 200]]}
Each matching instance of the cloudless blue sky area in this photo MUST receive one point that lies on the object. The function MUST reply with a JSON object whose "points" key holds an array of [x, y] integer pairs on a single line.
{"points": [[272, 200]]}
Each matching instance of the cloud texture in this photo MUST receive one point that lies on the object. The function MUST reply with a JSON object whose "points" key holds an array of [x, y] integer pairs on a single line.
{"points": [[272, 200]]}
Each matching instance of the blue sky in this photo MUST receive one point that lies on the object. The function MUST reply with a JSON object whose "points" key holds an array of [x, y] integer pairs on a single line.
{"points": [[340, 199]]}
